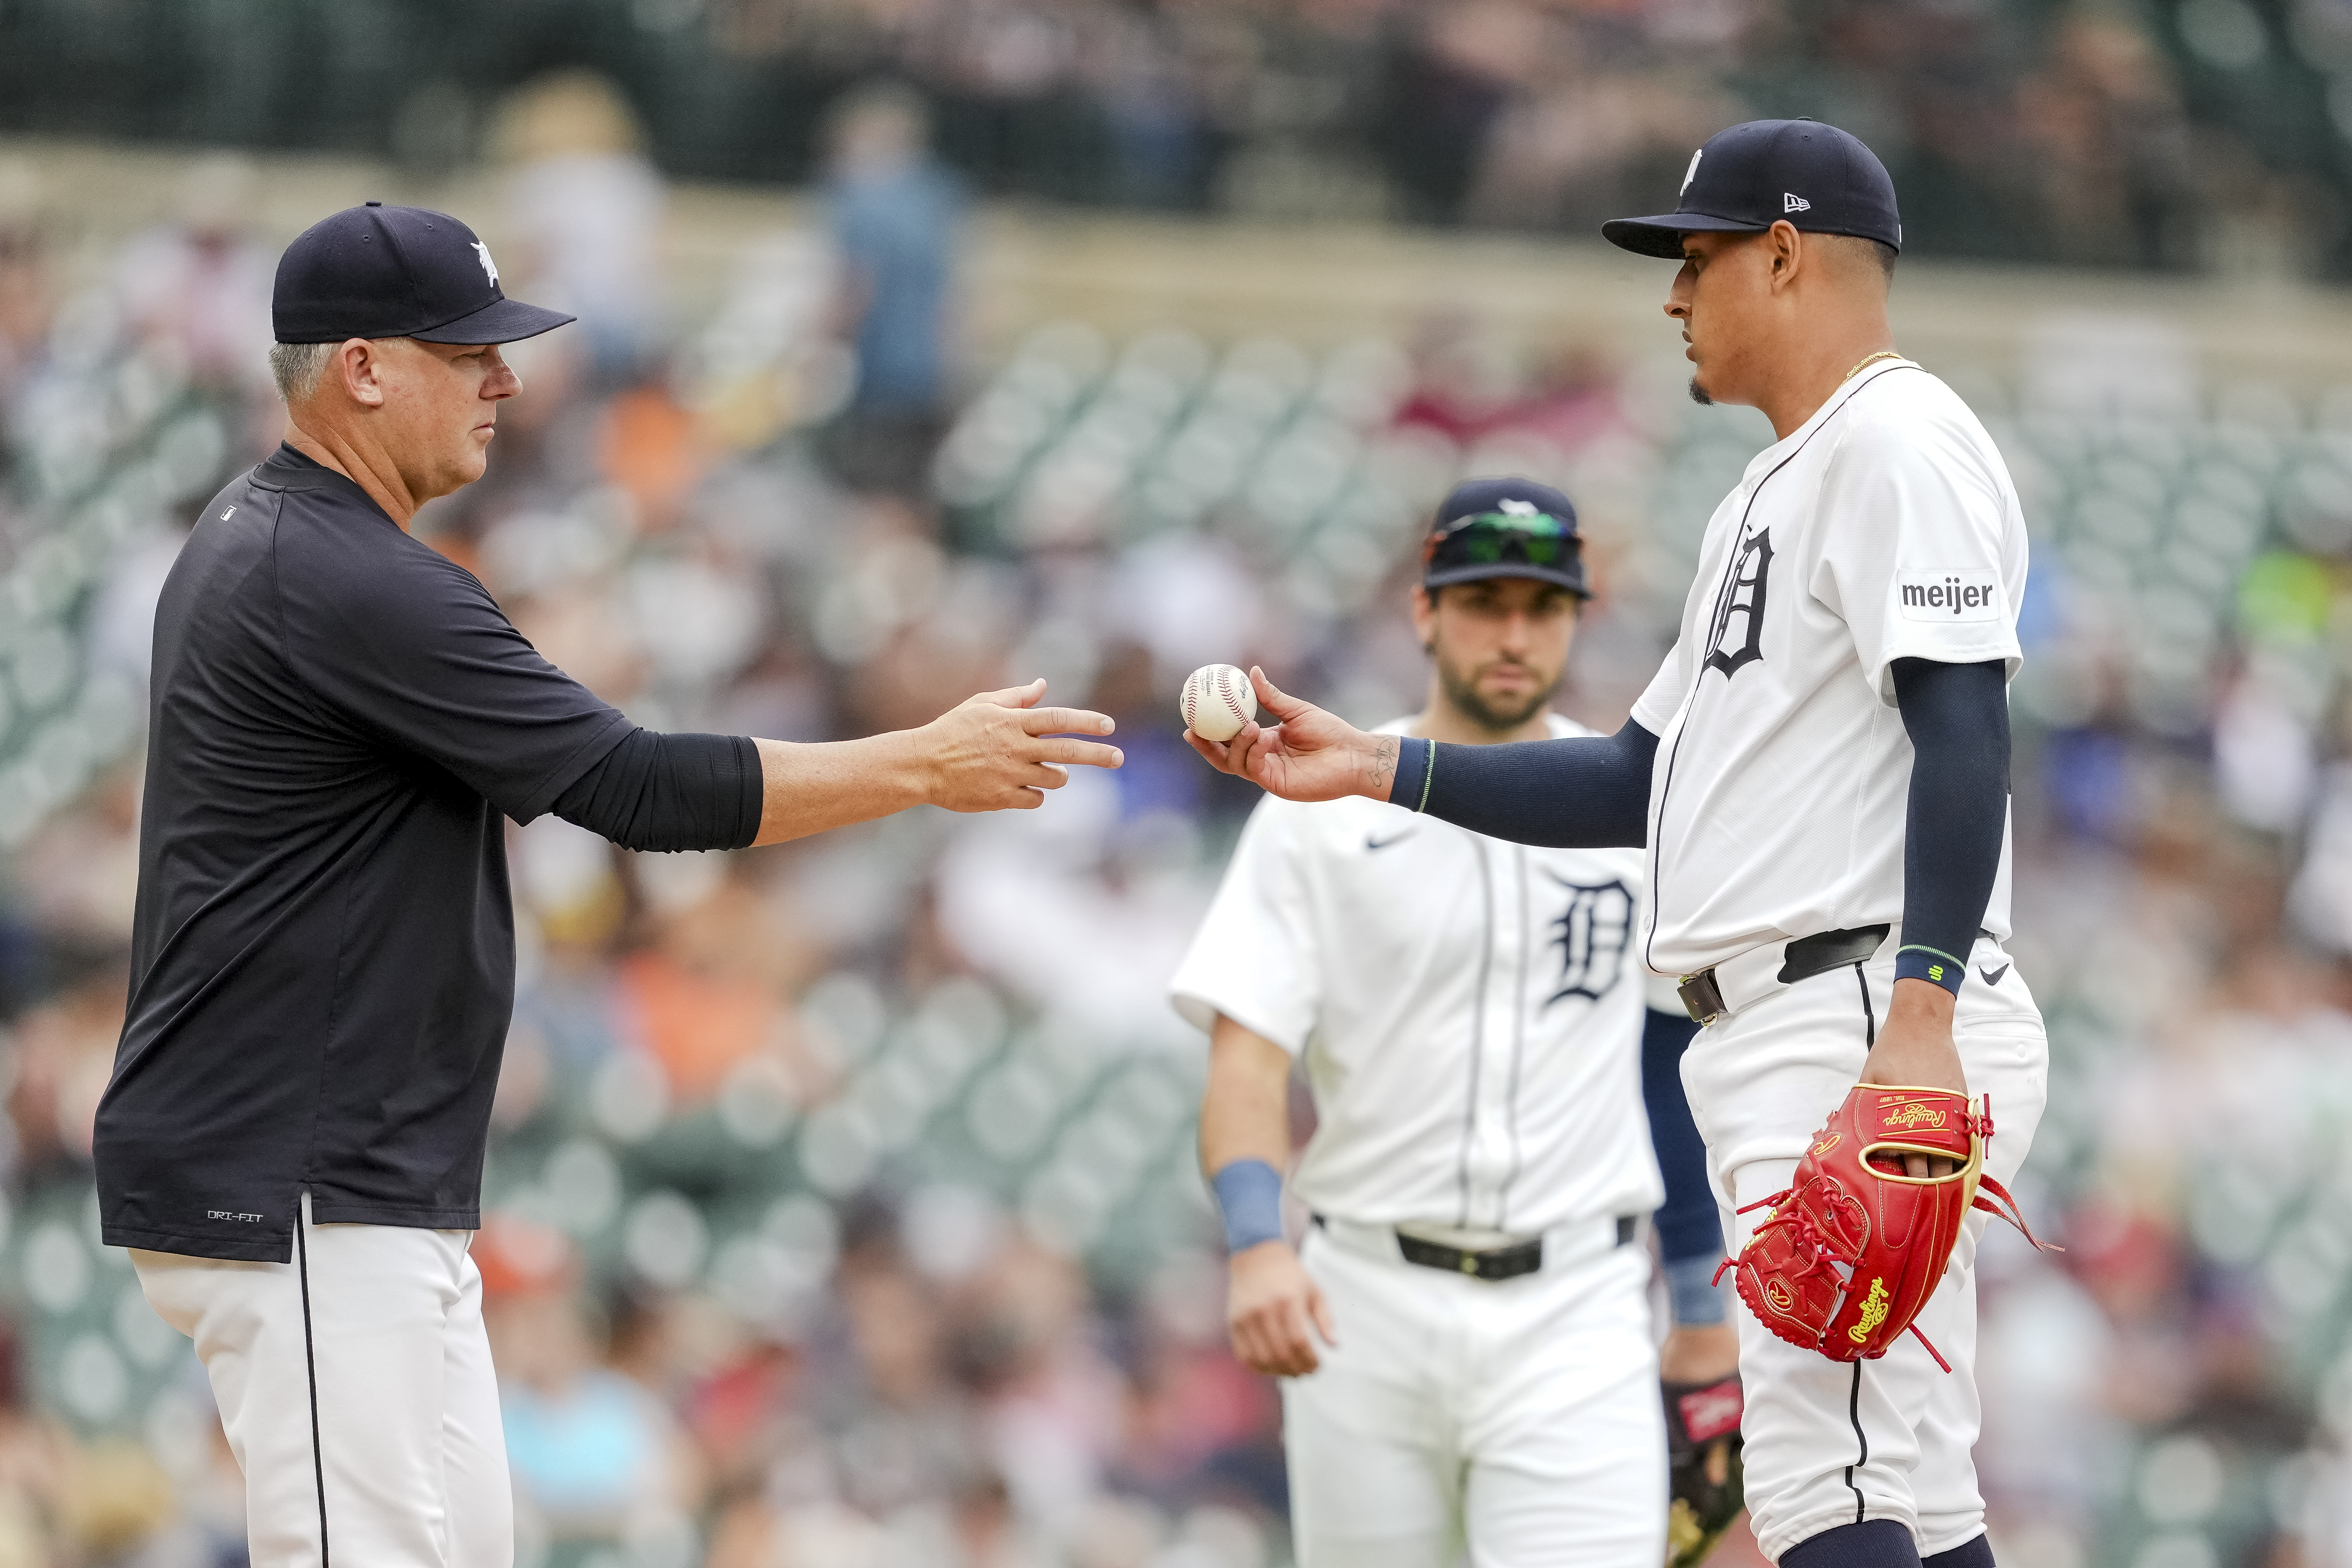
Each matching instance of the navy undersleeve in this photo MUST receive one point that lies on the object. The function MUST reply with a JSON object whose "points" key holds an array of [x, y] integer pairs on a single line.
{"points": [[1957, 717], [1688, 1224], [1591, 792]]}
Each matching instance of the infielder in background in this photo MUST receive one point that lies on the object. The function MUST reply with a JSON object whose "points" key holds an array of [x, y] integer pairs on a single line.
{"points": [[1465, 1335], [1820, 774], [323, 965]]}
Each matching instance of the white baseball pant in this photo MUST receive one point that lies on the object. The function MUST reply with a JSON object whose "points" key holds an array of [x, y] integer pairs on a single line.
{"points": [[354, 1384], [1522, 1415], [1828, 1443]]}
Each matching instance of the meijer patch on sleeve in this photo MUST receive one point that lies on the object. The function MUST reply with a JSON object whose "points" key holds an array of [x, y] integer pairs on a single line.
{"points": [[1972, 594]]}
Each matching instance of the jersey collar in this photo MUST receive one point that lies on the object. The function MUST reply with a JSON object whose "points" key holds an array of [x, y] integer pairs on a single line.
{"points": [[290, 469], [1836, 400]]}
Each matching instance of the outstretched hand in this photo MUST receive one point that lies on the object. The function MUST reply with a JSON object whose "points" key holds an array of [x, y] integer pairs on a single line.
{"points": [[1000, 750], [1307, 754]]}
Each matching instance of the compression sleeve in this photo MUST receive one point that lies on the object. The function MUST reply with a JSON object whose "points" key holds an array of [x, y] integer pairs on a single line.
{"points": [[1687, 1223], [1584, 794], [671, 791], [1690, 1231], [1957, 717]]}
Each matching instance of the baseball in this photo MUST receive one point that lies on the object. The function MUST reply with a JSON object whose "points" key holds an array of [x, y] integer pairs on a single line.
{"points": [[1218, 700]]}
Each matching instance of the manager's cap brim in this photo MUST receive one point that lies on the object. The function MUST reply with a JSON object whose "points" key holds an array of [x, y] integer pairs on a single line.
{"points": [[1661, 236], [499, 321]]}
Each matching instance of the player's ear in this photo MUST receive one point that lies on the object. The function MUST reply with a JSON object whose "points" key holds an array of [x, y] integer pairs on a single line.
{"points": [[1787, 247], [1424, 607]]}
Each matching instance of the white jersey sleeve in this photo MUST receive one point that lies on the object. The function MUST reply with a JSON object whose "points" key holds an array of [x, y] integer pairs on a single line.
{"points": [[1254, 958], [1922, 547], [1654, 708]]}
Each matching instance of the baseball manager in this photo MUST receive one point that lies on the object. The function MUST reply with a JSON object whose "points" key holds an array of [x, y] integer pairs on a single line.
{"points": [[323, 965], [1819, 772]]}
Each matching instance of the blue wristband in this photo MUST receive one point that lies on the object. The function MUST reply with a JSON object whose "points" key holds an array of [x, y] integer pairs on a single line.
{"points": [[1249, 1192], [1691, 1290], [1416, 766]]}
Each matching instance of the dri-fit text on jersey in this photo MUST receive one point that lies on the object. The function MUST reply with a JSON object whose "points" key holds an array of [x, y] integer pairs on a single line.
{"points": [[229, 1214]]}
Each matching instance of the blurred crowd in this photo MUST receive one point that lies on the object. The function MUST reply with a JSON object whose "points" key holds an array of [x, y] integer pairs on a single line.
{"points": [[2178, 135], [842, 1202], [2015, 131]]}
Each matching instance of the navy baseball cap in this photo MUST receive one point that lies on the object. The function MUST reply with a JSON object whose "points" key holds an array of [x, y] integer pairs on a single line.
{"points": [[1751, 176], [1504, 528], [375, 271]]}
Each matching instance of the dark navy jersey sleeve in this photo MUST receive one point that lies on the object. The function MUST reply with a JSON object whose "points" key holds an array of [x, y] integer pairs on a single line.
{"points": [[410, 648]]}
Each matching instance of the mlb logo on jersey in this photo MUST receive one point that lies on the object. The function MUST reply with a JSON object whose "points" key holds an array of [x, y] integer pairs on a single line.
{"points": [[1972, 595]]}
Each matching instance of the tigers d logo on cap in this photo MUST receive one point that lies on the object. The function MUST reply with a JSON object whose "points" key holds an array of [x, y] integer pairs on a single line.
{"points": [[1757, 173], [375, 271]]}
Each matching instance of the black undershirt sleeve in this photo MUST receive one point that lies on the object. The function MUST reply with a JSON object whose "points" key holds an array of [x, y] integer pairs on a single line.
{"points": [[671, 791], [1591, 792], [1957, 717]]}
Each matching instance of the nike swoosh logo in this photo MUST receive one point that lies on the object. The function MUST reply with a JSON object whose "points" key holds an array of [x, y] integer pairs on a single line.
{"points": [[1373, 842], [1992, 976]]}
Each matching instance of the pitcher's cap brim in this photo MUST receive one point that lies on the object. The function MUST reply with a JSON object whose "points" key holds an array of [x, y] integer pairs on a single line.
{"points": [[1662, 235]]}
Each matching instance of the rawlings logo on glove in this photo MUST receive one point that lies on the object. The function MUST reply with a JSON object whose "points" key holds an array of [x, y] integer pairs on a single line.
{"points": [[1854, 1246]]}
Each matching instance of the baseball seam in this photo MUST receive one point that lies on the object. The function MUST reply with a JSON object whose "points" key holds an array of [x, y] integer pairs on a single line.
{"points": [[1232, 701]]}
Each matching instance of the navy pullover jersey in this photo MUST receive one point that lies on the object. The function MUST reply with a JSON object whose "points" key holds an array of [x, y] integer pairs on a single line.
{"points": [[323, 965]]}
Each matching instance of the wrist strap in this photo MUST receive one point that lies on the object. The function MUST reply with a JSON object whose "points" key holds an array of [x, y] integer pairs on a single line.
{"points": [[1416, 764], [1917, 960], [1692, 1291], [1250, 1194]]}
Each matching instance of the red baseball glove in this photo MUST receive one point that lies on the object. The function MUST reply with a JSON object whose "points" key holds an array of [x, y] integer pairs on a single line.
{"points": [[1855, 1247]]}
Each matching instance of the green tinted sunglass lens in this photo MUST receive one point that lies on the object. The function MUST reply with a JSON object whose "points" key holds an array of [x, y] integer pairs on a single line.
{"points": [[1541, 523], [1483, 548]]}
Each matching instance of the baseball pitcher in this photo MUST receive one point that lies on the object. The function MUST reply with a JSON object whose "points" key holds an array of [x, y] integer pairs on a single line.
{"points": [[1818, 778], [1464, 1335]]}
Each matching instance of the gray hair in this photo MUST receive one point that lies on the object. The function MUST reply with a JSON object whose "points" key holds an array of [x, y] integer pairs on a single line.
{"points": [[296, 367]]}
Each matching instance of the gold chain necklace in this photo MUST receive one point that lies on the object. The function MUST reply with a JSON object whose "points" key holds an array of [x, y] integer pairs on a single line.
{"points": [[1871, 359]]}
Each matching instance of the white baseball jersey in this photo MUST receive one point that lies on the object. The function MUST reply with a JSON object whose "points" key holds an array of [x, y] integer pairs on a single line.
{"points": [[1470, 1012], [1885, 527]]}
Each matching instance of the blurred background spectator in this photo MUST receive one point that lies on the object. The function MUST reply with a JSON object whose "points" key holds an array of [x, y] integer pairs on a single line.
{"points": [[843, 1202], [2187, 135], [893, 214]]}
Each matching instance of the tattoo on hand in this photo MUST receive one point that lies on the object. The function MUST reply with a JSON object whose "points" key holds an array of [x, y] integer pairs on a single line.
{"points": [[1384, 761]]}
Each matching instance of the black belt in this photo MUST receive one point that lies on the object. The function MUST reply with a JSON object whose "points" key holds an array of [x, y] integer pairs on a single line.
{"points": [[1801, 959], [1488, 1263]]}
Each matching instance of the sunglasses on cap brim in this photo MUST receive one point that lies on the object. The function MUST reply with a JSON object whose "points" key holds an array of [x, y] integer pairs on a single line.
{"points": [[1493, 538]]}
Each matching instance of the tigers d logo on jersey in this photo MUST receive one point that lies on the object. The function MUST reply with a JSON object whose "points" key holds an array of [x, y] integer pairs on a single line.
{"points": [[1592, 934], [1736, 636]]}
